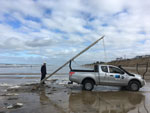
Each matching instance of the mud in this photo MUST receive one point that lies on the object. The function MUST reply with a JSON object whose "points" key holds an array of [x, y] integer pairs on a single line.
{"points": [[52, 98]]}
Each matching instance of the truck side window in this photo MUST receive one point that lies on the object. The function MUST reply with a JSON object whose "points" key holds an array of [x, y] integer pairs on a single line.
{"points": [[115, 70], [104, 69], [96, 68]]}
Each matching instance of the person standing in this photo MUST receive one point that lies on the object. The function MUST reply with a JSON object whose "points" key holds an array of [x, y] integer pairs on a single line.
{"points": [[43, 72]]}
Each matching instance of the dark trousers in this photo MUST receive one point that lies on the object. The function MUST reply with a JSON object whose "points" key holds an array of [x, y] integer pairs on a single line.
{"points": [[42, 76]]}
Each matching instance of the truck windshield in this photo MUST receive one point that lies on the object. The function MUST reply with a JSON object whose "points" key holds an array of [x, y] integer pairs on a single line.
{"points": [[125, 71]]}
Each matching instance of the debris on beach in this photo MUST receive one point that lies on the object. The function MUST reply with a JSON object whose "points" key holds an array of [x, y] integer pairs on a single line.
{"points": [[53, 80], [31, 84], [15, 87], [5, 84], [23, 88], [15, 106], [10, 94], [12, 98], [50, 93]]}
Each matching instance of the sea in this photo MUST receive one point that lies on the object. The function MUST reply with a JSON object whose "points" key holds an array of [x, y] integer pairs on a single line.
{"points": [[17, 74]]}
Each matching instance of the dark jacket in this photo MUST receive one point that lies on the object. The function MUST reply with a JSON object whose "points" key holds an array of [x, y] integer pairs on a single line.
{"points": [[43, 69]]}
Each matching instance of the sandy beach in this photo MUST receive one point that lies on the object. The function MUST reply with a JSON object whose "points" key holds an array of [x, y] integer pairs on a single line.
{"points": [[63, 98], [18, 95]]}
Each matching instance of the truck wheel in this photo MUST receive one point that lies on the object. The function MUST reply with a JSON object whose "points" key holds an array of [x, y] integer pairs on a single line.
{"points": [[134, 86], [88, 85]]}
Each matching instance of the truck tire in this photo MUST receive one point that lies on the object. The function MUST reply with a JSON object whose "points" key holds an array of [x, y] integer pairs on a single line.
{"points": [[88, 85], [134, 86]]}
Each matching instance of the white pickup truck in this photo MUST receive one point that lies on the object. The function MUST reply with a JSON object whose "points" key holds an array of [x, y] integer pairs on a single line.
{"points": [[106, 75]]}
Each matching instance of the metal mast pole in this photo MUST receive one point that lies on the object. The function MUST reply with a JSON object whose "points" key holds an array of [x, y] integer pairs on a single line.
{"points": [[72, 59]]}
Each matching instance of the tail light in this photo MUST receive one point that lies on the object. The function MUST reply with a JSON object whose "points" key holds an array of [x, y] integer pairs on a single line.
{"points": [[71, 73]]}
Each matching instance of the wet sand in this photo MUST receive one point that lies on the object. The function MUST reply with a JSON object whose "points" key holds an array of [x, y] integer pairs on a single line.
{"points": [[56, 98], [59, 97]]}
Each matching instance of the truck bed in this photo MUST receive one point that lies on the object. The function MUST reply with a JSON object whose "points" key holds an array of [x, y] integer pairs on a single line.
{"points": [[79, 70]]}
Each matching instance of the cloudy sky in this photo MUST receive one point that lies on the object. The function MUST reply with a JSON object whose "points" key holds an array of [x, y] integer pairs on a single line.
{"points": [[36, 31]]}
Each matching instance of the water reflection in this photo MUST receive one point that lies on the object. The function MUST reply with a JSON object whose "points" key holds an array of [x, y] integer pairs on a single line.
{"points": [[47, 105], [104, 102], [43, 98]]}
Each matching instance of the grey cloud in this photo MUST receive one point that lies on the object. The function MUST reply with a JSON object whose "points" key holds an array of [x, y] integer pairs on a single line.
{"points": [[25, 7], [40, 42], [39, 39], [12, 43]]}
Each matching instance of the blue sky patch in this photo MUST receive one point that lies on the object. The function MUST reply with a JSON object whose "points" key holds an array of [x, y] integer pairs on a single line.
{"points": [[120, 12], [87, 16], [91, 19], [65, 37], [48, 11], [142, 32], [105, 25], [58, 31], [14, 23], [11, 21], [142, 41], [79, 33], [35, 19], [88, 27]]}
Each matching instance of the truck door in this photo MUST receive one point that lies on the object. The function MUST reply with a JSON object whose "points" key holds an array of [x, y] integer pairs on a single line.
{"points": [[116, 76], [103, 74]]}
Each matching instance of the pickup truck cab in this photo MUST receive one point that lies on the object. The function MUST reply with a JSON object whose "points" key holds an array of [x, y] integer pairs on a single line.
{"points": [[106, 75]]}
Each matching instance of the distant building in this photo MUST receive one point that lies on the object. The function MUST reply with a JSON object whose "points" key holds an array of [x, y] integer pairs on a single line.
{"points": [[120, 58], [142, 56], [138, 57], [99, 62], [147, 56]]}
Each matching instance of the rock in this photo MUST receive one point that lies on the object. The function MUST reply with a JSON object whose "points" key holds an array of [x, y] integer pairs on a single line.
{"points": [[54, 90], [49, 93], [14, 98], [48, 86], [10, 107], [15, 106], [10, 94], [5, 104], [19, 104]]}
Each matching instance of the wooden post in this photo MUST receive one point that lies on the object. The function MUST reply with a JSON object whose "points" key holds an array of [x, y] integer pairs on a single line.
{"points": [[72, 59]]}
